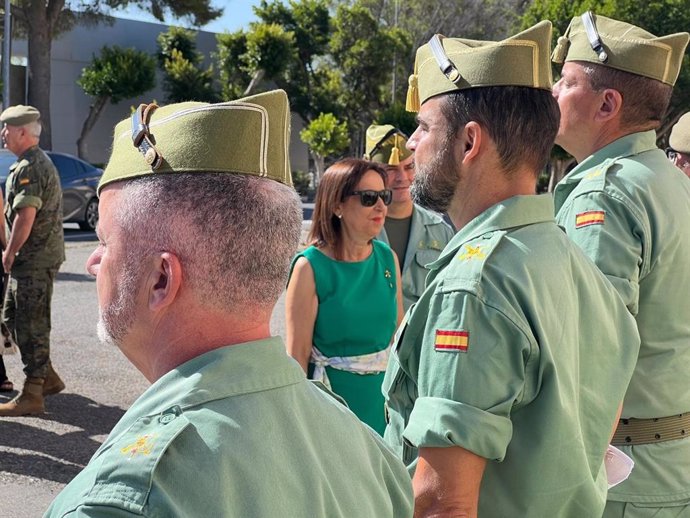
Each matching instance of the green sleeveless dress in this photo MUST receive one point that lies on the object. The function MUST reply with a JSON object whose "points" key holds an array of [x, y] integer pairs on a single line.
{"points": [[357, 315]]}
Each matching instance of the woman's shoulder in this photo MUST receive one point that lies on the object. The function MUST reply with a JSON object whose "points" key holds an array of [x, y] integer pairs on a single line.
{"points": [[383, 251]]}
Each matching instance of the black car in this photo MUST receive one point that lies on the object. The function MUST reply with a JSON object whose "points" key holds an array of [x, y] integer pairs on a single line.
{"points": [[79, 180]]}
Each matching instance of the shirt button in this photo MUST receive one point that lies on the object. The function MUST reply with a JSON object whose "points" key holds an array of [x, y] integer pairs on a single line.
{"points": [[170, 414]]}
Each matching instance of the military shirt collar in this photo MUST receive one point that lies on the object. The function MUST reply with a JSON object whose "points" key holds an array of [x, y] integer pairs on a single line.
{"points": [[513, 212], [224, 372], [625, 146]]}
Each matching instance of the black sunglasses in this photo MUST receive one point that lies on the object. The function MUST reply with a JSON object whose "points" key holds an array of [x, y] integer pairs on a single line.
{"points": [[369, 198]]}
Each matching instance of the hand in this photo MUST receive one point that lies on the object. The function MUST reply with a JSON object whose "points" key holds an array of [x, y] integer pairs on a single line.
{"points": [[7, 261]]}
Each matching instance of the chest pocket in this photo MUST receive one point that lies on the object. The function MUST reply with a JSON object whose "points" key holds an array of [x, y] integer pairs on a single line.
{"points": [[426, 256]]}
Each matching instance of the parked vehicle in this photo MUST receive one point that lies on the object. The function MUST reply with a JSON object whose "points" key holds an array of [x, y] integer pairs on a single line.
{"points": [[79, 180]]}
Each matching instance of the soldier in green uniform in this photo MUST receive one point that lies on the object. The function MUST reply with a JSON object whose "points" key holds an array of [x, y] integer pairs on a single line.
{"points": [[505, 378], [417, 235], [35, 250], [196, 238], [627, 207], [679, 144]]}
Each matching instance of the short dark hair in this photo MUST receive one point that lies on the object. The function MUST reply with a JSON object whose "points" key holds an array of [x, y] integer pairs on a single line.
{"points": [[645, 100], [339, 179], [521, 121]]}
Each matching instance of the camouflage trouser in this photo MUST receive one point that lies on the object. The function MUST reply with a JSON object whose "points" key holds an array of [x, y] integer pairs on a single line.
{"points": [[647, 510], [27, 315]]}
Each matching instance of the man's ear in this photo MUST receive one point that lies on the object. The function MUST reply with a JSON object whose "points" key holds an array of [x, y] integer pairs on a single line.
{"points": [[471, 139], [610, 106], [165, 281]]}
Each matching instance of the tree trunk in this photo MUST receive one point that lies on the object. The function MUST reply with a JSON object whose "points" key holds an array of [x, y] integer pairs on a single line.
{"points": [[95, 111], [256, 78], [320, 165], [558, 170], [41, 17]]}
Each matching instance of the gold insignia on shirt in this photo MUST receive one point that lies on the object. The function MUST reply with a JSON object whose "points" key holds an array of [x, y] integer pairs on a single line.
{"points": [[472, 252], [142, 446], [24, 181], [593, 174]]}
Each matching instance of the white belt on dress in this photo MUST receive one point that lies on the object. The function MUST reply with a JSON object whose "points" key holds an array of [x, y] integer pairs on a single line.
{"points": [[371, 363]]}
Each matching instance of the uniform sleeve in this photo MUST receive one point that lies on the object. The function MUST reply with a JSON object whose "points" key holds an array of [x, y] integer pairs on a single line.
{"points": [[471, 373], [609, 231], [28, 189]]}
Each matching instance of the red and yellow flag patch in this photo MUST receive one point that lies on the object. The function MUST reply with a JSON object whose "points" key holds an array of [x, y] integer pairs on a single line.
{"points": [[454, 341], [591, 217]]}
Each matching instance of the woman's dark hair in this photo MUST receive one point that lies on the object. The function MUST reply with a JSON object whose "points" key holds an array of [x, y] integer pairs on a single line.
{"points": [[337, 182]]}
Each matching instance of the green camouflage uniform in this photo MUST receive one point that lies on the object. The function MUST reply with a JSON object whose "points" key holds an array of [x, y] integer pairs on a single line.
{"points": [[34, 182]]}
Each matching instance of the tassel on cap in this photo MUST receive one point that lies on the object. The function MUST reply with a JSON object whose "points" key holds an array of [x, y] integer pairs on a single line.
{"points": [[395, 156], [412, 104]]}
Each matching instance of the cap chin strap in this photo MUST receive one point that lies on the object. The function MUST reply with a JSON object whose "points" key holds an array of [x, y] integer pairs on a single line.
{"points": [[593, 36], [444, 63]]}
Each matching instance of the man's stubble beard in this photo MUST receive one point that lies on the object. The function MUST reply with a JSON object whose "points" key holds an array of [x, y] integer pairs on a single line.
{"points": [[435, 181], [116, 319]]}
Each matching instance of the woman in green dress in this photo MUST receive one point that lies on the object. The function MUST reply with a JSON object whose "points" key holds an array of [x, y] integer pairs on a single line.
{"points": [[344, 299]]}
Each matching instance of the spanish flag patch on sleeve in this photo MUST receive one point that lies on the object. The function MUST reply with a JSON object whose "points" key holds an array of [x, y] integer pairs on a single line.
{"points": [[591, 217], [452, 341], [24, 181]]}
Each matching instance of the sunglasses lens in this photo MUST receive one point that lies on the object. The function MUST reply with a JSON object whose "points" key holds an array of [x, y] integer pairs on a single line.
{"points": [[386, 196], [368, 198]]}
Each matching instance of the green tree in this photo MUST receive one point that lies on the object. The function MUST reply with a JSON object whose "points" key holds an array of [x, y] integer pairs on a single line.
{"points": [[43, 19], [184, 78], [421, 19], [325, 137], [115, 75], [363, 52], [340, 64]]}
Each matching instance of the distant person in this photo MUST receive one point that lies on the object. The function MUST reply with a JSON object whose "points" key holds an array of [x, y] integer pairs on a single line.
{"points": [[196, 238], [505, 380], [5, 384], [417, 235], [628, 208], [343, 299], [35, 250], [679, 144]]}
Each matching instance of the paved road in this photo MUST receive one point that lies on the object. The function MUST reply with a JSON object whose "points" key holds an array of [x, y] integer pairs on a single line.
{"points": [[39, 455]]}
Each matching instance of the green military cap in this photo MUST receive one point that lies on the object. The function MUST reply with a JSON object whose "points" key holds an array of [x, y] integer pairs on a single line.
{"points": [[448, 64], [680, 135], [19, 115], [620, 45], [386, 144], [246, 136]]}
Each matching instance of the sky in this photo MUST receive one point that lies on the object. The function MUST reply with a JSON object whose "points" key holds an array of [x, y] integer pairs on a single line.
{"points": [[236, 15]]}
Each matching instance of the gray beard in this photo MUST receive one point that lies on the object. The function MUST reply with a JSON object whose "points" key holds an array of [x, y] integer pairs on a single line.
{"points": [[116, 319], [103, 335]]}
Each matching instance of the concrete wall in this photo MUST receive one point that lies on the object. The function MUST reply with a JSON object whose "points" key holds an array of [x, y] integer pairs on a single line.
{"points": [[74, 50]]}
